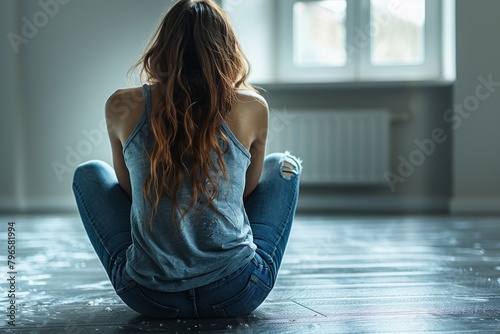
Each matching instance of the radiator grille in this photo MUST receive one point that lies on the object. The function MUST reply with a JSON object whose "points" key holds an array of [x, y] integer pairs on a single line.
{"points": [[338, 147]]}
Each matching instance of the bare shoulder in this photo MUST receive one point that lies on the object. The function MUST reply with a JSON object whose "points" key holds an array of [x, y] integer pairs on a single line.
{"points": [[123, 101], [123, 108], [246, 96], [252, 108]]}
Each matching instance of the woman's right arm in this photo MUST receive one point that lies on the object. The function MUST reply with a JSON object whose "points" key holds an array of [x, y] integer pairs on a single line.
{"points": [[259, 122]]}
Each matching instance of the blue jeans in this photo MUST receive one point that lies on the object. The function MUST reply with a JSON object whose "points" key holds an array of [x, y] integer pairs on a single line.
{"points": [[105, 211]]}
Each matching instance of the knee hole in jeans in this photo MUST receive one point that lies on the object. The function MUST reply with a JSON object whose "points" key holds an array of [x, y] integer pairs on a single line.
{"points": [[290, 166]]}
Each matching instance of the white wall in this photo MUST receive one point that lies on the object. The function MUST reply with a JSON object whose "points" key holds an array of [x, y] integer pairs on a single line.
{"points": [[76, 57], [476, 143], [254, 23], [10, 130]]}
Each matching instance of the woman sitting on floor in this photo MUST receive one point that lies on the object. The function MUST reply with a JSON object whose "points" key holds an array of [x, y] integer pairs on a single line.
{"points": [[194, 219]]}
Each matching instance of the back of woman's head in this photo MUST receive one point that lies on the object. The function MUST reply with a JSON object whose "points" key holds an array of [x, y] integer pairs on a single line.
{"points": [[195, 37], [197, 65]]}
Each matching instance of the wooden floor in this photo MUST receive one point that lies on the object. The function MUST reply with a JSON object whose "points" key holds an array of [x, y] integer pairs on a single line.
{"points": [[340, 275]]}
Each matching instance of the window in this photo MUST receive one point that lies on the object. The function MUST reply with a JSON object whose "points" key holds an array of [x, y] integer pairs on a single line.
{"points": [[399, 38], [319, 33], [338, 40]]}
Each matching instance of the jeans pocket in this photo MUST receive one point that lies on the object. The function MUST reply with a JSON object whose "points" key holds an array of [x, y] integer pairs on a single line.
{"points": [[134, 298], [254, 293], [154, 309]]}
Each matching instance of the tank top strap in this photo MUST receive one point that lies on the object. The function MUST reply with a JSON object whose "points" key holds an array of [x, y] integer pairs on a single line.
{"points": [[144, 119], [147, 99]]}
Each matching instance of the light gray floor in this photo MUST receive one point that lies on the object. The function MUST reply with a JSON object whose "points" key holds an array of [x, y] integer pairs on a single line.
{"points": [[340, 275]]}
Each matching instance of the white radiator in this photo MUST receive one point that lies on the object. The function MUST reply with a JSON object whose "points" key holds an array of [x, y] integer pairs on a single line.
{"points": [[340, 147]]}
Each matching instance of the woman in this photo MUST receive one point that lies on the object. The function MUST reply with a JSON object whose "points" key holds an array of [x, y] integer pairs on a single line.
{"points": [[194, 220]]}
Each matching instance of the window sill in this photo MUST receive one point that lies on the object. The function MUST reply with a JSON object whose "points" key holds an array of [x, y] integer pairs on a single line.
{"points": [[281, 86]]}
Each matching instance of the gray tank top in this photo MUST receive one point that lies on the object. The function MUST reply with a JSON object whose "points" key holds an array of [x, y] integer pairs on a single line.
{"points": [[209, 245]]}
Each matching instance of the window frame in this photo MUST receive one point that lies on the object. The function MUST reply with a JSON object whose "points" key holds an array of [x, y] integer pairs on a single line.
{"points": [[359, 67]]}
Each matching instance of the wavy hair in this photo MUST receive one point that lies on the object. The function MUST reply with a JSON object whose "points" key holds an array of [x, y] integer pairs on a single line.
{"points": [[196, 62]]}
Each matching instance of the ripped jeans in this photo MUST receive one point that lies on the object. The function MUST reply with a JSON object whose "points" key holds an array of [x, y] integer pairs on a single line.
{"points": [[105, 210]]}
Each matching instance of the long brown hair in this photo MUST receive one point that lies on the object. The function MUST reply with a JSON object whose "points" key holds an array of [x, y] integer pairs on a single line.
{"points": [[197, 64]]}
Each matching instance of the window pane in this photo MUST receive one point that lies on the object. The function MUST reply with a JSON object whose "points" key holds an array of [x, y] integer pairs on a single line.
{"points": [[319, 36], [398, 32]]}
